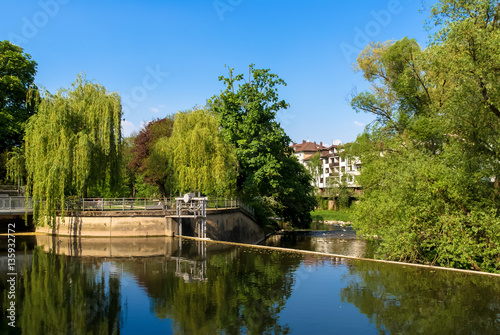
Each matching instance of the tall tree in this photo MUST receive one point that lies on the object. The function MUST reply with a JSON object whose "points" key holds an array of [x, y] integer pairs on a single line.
{"points": [[431, 161], [72, 144], [142, 162], [248, 120], [196, 156], [17, 75], [314, 167]]}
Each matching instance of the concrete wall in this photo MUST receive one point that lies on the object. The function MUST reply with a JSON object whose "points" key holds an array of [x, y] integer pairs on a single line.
{"points": [[108, 247], [223, 224]]}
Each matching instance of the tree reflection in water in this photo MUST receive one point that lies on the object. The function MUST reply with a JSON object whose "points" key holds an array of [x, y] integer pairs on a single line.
{"points": [[60, 295], [209, 288], [243, 291], [412, 300]]}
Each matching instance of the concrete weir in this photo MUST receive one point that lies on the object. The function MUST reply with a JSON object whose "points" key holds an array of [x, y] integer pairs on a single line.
{"points": [[232, 224]]}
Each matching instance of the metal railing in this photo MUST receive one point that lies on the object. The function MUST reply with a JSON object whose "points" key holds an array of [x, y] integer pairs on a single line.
{"points": [[15, 203], [119, 204], [123, 204]]}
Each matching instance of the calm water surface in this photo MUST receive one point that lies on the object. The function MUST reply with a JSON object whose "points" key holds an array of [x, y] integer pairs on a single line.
{"points": [[181, 286]]}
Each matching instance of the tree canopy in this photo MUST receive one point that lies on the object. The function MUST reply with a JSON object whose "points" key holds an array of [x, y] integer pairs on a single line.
{"points": [[142, 163], [72, 144], [17, 75], [196, 157], [431, 159], [265, 161]]}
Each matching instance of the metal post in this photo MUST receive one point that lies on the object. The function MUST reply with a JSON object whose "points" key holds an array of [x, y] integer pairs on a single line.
{"points": [[204, 218], [123, 203]]}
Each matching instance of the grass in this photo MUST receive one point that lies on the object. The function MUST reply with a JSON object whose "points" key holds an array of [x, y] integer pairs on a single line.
{"points": [[330, 215]]}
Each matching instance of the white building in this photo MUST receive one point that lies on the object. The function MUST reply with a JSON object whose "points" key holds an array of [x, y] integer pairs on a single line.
{"points": [[332, 165]]}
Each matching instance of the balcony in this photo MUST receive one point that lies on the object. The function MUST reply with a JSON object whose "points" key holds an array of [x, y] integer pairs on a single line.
{"points": [[332, 165]]}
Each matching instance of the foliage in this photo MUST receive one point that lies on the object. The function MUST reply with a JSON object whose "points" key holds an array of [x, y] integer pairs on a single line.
{"points": [[72, 144], [314, 167], [265, 165], [16, 169], [339, 191], [196, 156], [141, 161], [17, 74], [431, 161]]}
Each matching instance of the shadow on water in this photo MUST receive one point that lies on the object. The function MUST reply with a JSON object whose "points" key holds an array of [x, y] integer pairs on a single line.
{"points": [[181, 286]]}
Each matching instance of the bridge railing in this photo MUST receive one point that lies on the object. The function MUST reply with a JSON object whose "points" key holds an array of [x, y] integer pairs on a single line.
{"points": [[119, 204], [123, 204], [15, 203]]}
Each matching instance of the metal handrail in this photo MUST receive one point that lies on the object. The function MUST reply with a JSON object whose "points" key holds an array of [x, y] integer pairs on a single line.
{"points": [[15, 203], [123, 204]]}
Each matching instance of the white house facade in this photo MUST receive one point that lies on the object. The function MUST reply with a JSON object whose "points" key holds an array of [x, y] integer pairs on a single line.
{"points": [[332, 165]]}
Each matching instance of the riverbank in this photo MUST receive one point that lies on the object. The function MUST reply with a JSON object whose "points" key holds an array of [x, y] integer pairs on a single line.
{"points": [[341, 217]]}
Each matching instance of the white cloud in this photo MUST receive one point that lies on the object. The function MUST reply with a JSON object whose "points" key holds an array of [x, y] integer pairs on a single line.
{"points": [[154, 109], [336, 142], [127, 128], [359, 124]]}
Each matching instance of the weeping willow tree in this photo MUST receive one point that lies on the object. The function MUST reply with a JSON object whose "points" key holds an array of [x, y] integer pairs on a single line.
{"points": [[72, 144], [196, 156], [16, 170]]}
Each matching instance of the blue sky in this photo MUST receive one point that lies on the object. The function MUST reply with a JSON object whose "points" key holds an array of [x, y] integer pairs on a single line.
{"points": [[166, 56]]}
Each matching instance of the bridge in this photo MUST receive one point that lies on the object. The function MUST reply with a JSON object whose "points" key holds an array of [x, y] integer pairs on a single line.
{"points": [[218, 218], [12, 205], [15, 205]]}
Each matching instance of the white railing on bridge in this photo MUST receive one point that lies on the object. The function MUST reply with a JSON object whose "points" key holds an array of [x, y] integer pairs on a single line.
{"points": [[122, 204], [135, 204], [15, 203]]}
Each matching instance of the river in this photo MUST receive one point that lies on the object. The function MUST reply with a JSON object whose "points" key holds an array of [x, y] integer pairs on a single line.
{"points": [[168, 285]]}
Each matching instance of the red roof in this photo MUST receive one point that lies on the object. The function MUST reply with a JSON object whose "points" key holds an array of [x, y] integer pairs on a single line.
{"points": [[308, 146]]}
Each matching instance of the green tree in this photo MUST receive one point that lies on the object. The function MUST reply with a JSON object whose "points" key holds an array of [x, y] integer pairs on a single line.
{"points": [[314, 167], [17, 75], [431, 162], [142, 162], [72, 144], [16, 169], [248, 120], [196, 157], [339, 191]]}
